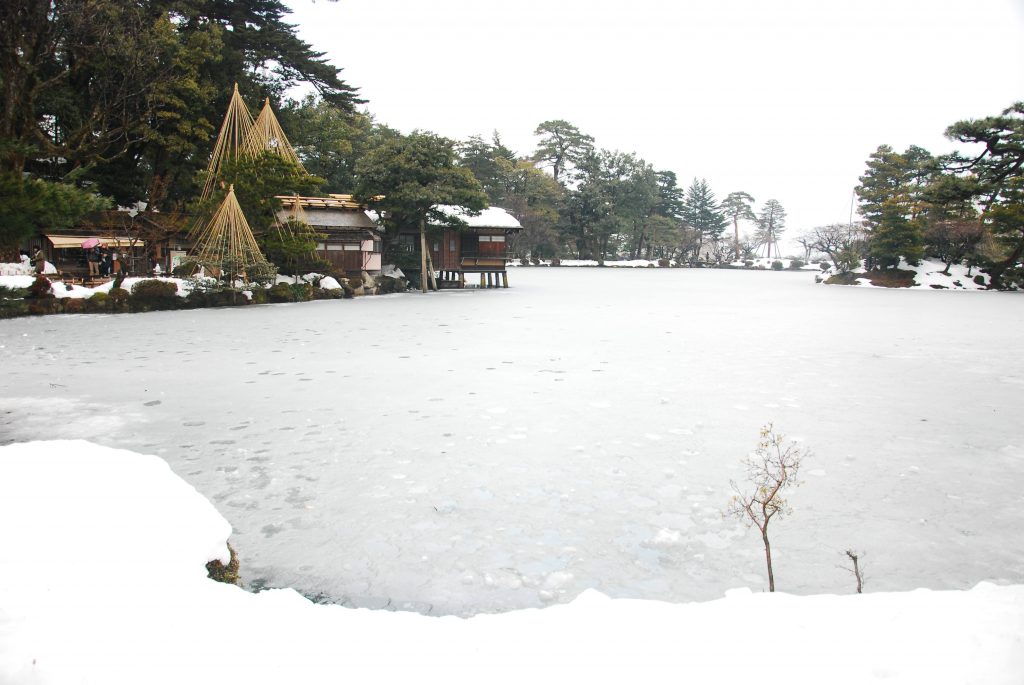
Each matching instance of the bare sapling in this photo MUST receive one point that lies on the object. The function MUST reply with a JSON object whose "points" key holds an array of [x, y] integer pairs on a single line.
{"points": [[771, 470], [857, 571]]}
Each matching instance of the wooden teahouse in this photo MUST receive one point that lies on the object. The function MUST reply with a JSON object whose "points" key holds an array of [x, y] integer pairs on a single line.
{"points": [[480, 247], [351, 239]]}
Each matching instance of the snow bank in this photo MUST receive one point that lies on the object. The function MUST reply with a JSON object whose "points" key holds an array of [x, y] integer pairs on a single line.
{"points": [[11, 277], [102, 559], [929, 274], [627, 263]]}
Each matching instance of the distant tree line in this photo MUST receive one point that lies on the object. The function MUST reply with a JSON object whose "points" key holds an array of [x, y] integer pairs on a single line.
{"points": [[117, 103]]}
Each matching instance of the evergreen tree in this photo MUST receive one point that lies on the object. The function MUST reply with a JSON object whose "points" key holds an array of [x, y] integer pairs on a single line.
{"points": [[491, 164], [999, 171], [771, 223], [408, 176], [125, 96], [894, 236], [330, 140], [257, 180], [895, 177], [702, 214], [28, 205], [738, 205], [535, 199], [562, 144]]}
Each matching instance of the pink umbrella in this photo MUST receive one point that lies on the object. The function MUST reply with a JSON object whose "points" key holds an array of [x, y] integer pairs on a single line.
{"points": [[90, 242]]}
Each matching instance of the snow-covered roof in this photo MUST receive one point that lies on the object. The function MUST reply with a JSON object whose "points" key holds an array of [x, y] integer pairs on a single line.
{"points": [[492, 217]]}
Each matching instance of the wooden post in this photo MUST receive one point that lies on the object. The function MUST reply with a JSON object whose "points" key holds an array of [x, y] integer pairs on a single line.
{"points": [[482, 281], [504, 279], [462, 279], [423, 255]]}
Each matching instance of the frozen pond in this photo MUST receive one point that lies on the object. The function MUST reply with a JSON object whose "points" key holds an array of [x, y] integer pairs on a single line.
{"points": [[488, 450]]}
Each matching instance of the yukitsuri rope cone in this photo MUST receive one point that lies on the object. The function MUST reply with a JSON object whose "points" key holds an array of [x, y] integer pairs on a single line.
{"points": [[267, 134], [236, 134], [226, 243], [297, 212]]}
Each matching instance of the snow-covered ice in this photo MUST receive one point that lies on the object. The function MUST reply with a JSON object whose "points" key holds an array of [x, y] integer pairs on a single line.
{"points": [[102, 560], [354, 447]]}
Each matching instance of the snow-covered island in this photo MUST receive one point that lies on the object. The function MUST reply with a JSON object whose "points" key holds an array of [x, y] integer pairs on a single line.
{"points": [[103, 552]]}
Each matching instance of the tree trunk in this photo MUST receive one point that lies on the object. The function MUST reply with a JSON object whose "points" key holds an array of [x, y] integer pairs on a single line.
{"points": [[768, 559], [736, 237], [996, 271], [423, 255]]}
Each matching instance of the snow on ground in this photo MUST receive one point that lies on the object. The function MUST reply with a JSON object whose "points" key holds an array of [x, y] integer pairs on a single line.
{"points": [[930, 274], [62, 290], [485, 450], [757, 263], [766, 263], [627, 263], [104, 582]]}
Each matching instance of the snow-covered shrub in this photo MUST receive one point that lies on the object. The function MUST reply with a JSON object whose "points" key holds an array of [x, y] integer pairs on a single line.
{"points": [[98, 302], [748, 263], [777, 265], [152, 294], [282, 292], [119, 299], [797, 264]]}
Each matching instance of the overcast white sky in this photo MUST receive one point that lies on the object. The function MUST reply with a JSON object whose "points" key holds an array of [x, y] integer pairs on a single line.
{"points": [[784, 100]]}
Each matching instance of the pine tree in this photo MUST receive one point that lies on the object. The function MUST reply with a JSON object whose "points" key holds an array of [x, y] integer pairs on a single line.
{"points": [[738, 205], [894, 236], [702, 214], [562, 144], [408, 176], [999, 170], [771, 223]]}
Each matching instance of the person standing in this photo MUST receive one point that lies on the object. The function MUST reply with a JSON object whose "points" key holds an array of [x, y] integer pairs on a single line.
{"points": [[39, 258], [105, 264], [115, 261], [93, 258]]}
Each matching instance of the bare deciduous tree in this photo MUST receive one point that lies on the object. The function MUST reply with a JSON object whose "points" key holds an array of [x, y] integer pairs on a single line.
{"points": [[771, 469], [843, 243], [857, 571]]}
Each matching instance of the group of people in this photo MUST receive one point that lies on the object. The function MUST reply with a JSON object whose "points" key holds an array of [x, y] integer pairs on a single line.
{"points": [[103, 261]]}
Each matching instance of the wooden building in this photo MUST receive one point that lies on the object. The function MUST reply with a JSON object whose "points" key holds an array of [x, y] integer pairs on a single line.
{"points": [[142, 242], [352, 240], [480, 247]]}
